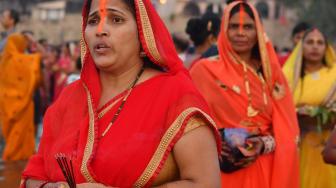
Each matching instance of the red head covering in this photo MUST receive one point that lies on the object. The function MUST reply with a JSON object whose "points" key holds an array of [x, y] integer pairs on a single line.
{"points": [[152, 120], [155, 40]]}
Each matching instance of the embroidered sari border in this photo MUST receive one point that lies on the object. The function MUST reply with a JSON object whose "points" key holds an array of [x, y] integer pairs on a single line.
{"points": [[167, 142]]}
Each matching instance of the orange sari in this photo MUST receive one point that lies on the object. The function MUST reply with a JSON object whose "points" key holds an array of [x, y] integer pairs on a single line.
{"points": [[269, 109], [19, 77]]}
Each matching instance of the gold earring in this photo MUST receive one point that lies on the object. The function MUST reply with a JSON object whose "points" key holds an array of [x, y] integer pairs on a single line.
{"points": [[143, 54]]}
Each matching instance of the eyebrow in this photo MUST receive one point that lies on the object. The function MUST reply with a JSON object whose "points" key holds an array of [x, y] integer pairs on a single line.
{"points": [[108, 9]]}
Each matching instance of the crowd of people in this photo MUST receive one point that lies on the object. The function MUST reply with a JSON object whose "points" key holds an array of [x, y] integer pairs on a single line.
{"points": [[33, 74], [221, 108]]}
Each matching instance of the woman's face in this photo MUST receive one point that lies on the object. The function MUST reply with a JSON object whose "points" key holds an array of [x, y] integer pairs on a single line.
{"points": [[314, 46], [242, 32], [112, 35]]}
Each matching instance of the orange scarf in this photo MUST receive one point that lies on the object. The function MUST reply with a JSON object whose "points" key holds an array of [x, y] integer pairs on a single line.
{"points": [[264, 104], [20, 74]]}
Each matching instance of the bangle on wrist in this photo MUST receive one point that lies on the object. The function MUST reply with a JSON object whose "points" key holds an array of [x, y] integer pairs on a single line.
{"points": [[269, 144]]}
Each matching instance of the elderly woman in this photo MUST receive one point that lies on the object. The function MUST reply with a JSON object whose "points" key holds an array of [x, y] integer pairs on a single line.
{"points": [[134, 119], [251, 101]]}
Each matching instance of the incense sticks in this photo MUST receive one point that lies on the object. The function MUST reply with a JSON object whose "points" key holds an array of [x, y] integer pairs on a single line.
{"points": [[67, 169]]}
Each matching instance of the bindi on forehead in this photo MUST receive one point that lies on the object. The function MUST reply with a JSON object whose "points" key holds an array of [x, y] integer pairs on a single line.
{"points": [[102, 13], [241, 18]]}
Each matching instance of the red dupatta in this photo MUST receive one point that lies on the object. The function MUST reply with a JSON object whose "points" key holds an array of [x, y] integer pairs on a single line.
{"points": [[222, 82], [154, 117]]}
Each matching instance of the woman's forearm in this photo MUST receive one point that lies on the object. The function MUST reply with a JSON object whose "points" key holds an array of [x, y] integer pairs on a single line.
{"points": [[187, 184], [31, 183]]}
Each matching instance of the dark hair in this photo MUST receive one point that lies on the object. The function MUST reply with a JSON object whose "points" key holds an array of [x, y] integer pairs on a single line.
{"points": [[246, 8], [130, 4], [79, 63], [14, 15], [300, 27], [197, 28], [248, 11], [180, 42]]}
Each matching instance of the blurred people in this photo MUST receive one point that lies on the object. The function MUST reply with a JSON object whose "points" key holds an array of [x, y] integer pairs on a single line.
{"points": [[297, 34], [329, 152], [251, 104], [214, 8], [63, 68], [181, 45], [75, 75], [203, 33], [311, 73], [50, 67], [20, 75], [9, 20]]}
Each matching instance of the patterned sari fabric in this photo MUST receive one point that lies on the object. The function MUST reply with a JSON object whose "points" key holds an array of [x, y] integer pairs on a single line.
{"points": [[268, 110], [314, 90], [155, 116], [20, 74]]}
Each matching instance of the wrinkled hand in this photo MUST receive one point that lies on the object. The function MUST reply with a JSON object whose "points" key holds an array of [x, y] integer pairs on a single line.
{"points": [[252, 153], [226, 152]]}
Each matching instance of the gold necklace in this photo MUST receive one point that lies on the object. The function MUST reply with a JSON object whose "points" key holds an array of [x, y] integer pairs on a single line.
{"points": [[251, 112]]}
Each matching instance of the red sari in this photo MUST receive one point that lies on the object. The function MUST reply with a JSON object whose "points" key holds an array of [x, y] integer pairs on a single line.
{"points": [[222, 83], [154, 118]]}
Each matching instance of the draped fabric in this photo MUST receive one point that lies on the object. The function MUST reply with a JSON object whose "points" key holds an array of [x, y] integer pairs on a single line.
{"points": [[155, 116], [314, 89], [222, 81], [20, 75], [303, 90]]}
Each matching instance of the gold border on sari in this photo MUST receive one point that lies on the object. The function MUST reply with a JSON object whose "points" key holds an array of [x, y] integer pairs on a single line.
{"points": [[165, 142], [108, 108], [148, 33], [90, 140]]}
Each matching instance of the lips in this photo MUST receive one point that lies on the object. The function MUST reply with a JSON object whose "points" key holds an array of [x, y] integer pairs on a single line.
{"points": [[240, 43], [101, 48]]}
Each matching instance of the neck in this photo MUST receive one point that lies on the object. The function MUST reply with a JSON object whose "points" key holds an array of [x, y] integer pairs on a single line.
{"points": [[312, 66], [202, 48], [115, 82], [246, 57]]}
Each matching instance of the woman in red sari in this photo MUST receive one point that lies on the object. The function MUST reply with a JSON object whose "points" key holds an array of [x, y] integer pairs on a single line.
{"points": [[247, 91], [134, 119]]}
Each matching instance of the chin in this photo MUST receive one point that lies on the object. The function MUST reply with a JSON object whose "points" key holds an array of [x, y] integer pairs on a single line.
{"points": [[103, 63], [241, 50]]}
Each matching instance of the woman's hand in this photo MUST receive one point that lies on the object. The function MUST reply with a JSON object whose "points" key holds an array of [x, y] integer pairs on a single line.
{"points": [[252, 153], [82, 185], [56, 185], [227, 152], [92, 185]]}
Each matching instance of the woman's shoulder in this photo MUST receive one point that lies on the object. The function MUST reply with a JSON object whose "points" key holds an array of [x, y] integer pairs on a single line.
{"points": [[205, 64]]}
